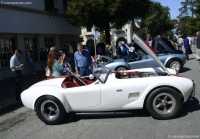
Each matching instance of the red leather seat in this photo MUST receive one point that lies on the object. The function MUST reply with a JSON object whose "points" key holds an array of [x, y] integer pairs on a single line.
{"points": [[89, 82], [68, 84], [77, 82]]}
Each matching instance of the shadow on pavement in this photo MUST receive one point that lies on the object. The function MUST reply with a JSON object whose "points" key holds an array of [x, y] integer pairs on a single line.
{"points": [[11, 108], [190, 106], [185, 69], [75, 117]]}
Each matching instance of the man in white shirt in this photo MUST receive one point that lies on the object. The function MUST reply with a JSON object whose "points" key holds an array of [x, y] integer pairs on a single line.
{"points": [[17, 68], [190, 40], [180, 43]]}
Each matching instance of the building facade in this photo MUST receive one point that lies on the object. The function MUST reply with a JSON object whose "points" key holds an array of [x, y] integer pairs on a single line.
{"points": [[31, 26], [124, 34]]}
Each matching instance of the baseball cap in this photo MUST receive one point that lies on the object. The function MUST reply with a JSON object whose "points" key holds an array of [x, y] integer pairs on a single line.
{"points": [[19, 51]]}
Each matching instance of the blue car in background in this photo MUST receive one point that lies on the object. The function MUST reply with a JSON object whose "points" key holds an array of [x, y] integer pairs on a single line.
{"points": [[139, 59]]}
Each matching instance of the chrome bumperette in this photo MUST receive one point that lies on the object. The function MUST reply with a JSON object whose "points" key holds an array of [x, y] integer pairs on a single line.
{"points": [[192, 93]]}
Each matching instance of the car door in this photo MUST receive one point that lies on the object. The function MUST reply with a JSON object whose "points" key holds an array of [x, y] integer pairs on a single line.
{"points": [[138, 64], [116, 94], [152, 63], [84, 96]]}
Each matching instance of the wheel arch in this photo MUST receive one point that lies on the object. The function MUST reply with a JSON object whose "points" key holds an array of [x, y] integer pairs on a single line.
{"points": [[121, 66], [171, 59], [181, 95], [62, 101]]}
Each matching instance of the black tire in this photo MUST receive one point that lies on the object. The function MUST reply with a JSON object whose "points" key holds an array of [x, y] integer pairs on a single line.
{"points": [[159, 106], [52, 106], [121, 68], [173, 62]]}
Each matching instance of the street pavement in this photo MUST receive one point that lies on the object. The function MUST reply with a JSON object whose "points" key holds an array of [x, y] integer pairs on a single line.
{"points": [[22, 123]]}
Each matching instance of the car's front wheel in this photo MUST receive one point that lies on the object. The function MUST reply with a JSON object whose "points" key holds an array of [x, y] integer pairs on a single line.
{"points": [[50, 110], [175, 64], [121, 68], [164, 103]]}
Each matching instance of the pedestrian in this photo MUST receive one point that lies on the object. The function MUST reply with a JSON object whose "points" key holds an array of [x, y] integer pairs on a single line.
{"points": [[54, 66], [82, 61], [30, 58], [198, 47], [43, 58], [119, 50], [149, 40], [123, 50], [180, 43], [17, 67], [108, 51], [190, 44], [186, 46], [66, 65]]}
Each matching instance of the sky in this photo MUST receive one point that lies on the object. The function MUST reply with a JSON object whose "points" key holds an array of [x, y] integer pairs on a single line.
{"points": [[174, 5]]}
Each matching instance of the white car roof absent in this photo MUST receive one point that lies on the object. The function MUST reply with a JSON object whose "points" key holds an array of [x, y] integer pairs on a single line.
{"points": [[146, 48]]}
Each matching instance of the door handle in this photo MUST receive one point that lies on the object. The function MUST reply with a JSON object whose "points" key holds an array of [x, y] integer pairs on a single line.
{"points": [[119, 90]]}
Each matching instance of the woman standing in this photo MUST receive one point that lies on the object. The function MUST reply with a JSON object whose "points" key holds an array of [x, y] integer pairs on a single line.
{"points": [[54, 67]]}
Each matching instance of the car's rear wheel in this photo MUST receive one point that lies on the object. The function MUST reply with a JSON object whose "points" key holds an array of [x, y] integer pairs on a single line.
{"points": [[50, 110], [175, 64], [121, 68], [164, 103]]}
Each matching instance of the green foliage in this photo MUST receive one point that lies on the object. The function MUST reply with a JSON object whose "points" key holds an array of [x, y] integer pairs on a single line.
{"points": [[102, 37], [105, 13], [81, 39], [157, 20], [189, 18]]}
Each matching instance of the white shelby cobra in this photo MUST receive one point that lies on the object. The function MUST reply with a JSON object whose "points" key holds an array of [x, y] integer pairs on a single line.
{"points": [[155, 89]]}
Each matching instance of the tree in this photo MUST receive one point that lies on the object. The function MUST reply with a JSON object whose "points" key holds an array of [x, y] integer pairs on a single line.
{"points": [[105, 14], [157, 21], [189, 18]]}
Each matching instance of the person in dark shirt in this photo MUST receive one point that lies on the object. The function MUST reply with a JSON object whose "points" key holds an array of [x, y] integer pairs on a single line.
{"points": [[186, 46]]}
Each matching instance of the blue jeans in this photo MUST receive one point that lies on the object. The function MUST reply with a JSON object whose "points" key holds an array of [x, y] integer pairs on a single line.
{"points": [[179, 47], [84, 71]]}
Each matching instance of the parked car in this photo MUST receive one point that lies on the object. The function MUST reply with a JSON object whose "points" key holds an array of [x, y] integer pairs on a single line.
{"points": [[160, 92], [139, 58]]}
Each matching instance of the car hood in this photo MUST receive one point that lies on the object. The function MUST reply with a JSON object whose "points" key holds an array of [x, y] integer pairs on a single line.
{"points": [[50, 82], [149, 51]]}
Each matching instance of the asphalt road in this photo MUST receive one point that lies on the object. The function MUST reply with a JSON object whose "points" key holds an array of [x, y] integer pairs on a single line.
{"points": [[22, 123]]}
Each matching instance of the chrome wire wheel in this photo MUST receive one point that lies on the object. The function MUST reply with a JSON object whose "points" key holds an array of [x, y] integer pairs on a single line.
{"points": [[49, 110], [175, 65], [164, 103], [121, 69]]}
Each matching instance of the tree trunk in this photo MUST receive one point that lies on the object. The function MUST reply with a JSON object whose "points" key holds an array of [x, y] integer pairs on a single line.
{"points": [[107, 33]]}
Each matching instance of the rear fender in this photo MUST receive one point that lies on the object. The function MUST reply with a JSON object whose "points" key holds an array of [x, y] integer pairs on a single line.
{"points": [[30, 96]]}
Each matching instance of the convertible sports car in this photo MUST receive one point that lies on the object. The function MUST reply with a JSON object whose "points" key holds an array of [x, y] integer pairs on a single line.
{"points": [[139, 59], [155, 89]]}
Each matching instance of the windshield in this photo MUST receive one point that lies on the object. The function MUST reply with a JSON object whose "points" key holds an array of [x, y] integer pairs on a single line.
{"points": [[100, 71], [161, 47]]}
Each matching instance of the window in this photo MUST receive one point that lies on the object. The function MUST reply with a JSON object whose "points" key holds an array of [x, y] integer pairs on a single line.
{"points": [[89, 29], [49, 42], [7, 49], [65, 4], [49, 5], [30, 45]]}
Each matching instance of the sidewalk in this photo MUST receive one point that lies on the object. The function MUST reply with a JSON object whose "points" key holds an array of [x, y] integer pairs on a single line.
{"points": [[7, 93]]}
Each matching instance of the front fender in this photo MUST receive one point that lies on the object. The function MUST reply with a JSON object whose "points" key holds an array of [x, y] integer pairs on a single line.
{"points": [[115, 64], [31, 95]]}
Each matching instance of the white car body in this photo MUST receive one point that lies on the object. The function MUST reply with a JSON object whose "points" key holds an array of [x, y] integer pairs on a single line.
{"points": [[114, 94]]}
